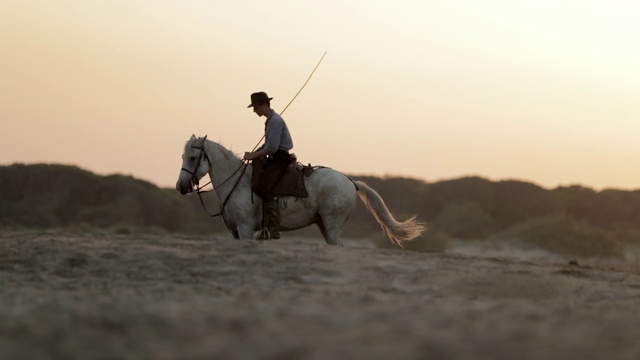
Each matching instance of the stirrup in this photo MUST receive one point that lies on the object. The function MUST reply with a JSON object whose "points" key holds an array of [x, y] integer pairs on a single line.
{"points": [[262, 234]]}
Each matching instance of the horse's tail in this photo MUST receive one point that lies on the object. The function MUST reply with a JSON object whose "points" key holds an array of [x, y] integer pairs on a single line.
{"points": [[398, 232]]}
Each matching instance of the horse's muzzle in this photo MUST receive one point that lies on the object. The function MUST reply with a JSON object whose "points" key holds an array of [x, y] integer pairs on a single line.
{"points": [[184, 189]]}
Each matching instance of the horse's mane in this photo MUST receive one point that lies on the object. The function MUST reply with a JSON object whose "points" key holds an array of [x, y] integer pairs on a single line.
{"points": [[226, 153]]}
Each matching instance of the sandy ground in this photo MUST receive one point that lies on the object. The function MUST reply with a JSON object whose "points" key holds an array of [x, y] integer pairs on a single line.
{"points": [[169, 297]]}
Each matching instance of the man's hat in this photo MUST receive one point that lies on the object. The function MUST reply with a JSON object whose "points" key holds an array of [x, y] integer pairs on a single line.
{"points": [[259, 98]]}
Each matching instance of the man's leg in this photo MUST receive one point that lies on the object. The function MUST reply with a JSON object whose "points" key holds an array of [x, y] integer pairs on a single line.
{"points": [[271, 210], [270, 205]]}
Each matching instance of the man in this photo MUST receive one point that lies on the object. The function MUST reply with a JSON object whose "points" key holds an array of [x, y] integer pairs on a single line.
{"points": [[275, 152]]}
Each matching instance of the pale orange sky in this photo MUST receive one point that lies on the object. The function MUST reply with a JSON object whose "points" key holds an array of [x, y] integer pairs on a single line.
{"points": [[545, 91]]}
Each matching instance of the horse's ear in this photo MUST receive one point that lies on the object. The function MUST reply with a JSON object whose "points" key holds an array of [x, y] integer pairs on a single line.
{"points": [[205, 138], [193, 136]]}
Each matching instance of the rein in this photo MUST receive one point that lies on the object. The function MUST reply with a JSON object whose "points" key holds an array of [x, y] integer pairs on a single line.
{"points": [[224, 203]]}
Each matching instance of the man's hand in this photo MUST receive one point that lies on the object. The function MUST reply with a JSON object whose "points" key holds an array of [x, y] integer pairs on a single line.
{"points": [[248, 156]]}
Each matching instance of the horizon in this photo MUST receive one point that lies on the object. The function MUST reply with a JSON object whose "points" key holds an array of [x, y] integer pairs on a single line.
{"points": [[537, 91]]}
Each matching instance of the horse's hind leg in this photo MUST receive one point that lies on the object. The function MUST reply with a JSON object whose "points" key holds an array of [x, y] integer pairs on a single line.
{"points": [[331, 229]]}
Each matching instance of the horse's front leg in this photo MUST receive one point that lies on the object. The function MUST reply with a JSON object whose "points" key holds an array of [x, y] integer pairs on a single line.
{"points": [[240, 231], [245, 231]]}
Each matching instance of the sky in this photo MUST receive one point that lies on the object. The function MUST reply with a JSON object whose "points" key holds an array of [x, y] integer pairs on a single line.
{"points": [[544, 91]]}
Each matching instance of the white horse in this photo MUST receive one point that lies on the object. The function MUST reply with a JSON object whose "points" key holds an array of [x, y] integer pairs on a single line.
{"points": [[331, 200]]}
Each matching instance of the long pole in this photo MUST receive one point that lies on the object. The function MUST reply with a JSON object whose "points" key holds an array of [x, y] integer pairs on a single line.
{"points": [[305, 83], [295, 96]]}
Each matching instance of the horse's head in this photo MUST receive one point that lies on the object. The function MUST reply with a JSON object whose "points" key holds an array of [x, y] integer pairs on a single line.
{"points": [[195, 164]]}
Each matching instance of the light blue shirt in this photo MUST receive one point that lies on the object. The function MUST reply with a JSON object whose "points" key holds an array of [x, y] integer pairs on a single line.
{"points": [[276, 132]]}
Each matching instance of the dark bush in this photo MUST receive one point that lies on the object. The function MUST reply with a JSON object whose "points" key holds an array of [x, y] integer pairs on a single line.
{"points": [[567, 220], [565, 236]]}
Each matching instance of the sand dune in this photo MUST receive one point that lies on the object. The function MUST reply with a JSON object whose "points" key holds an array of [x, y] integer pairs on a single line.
{"points": [[170, 297]]}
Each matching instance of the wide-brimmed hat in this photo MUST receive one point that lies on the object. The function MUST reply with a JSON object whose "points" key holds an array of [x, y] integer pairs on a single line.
{"points": [[259, 98]]}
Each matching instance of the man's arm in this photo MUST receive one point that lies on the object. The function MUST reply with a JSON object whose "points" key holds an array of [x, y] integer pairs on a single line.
{"points": [[255, 155], [272, 140]]}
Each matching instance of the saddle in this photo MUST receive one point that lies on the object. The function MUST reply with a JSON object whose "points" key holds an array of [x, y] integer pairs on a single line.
{"points": [[292, 181]]}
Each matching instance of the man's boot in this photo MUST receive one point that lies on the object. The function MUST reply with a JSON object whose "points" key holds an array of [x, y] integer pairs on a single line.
{"points": [[273, 217], [270, 220]]}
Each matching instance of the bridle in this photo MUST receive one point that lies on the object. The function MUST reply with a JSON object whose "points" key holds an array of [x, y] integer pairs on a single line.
{"points": [[194, 173], [199, 189]]}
